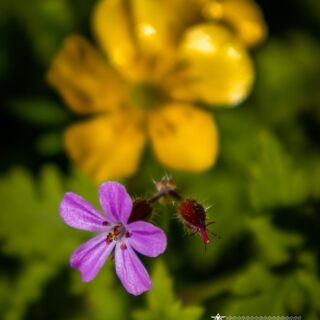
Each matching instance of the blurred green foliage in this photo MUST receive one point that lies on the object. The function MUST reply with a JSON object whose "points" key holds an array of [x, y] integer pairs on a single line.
{"points": [[264, 191]]}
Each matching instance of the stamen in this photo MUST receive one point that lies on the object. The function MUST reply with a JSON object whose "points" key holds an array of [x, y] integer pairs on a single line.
{"points": [[109, 238], [116, 231], [123, 246], [105, 223]]}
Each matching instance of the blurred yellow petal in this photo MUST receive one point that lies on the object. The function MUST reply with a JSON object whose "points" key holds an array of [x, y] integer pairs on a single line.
{"points": [[184, 14], [113, 28], [217, 68], [107, 146], [83, 78], [152, 25], [244, 16], [184, 137]]}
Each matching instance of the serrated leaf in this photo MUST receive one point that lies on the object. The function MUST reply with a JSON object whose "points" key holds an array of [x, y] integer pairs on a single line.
{"points": [[32, 232], [259, 291], [30, 224], [276, 180], [272, 244]]}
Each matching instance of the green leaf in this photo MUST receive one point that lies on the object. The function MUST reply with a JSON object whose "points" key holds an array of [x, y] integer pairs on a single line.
{"points": [[31, 225], [50, 143], [27, 288], [287, 86], [46, 22], [161, 301], [39, 112], [258, 291], [106, 298], [273, 245], [277, 181], [32, 231]]}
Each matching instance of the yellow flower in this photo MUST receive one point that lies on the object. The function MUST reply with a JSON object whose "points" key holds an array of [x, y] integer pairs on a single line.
{"points": [[243, 16], [163, 58]]}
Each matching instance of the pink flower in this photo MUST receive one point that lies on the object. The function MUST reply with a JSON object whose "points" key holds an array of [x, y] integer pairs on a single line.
{"points": [[114, 233]]}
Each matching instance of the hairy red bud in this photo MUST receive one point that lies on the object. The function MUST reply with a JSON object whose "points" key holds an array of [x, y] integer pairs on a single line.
{"points": [[193, 215]]}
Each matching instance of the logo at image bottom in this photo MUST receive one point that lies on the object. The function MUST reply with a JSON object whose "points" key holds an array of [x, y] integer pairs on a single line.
{"points": [[218, 317]]}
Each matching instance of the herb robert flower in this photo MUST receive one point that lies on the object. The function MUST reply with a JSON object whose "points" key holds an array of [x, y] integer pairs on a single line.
{"points": [[164, 59], [115, 232]]}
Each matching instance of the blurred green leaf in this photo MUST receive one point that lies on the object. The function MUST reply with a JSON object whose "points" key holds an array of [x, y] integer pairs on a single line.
{"points": [[161, 301], [105, 298], [31, 225], [32, 231], [50, 143], [288, 79], [46, 22], [258, 291], [39, 111], [277, 181], [273, 245], [238, 131], [27, 288]]}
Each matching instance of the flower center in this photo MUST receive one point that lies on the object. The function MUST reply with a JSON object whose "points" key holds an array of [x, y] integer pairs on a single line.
{"points": [[144, 95], [117, 233]]}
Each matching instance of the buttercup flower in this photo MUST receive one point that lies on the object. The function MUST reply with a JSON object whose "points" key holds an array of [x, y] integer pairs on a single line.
{"points": [[243, 16], [115, 233], [165, 58]]}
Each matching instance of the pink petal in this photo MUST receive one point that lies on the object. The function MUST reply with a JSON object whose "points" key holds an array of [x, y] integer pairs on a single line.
{"points": [[91, 256], [146, 238], [80, 214], [131, 272], [115, 201]]}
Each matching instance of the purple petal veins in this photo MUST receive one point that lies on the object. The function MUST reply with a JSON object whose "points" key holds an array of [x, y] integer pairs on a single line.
{"points": [[131, 272], [115, 232], [147, 239], [80, 214], [115, 201], [91, 256]]}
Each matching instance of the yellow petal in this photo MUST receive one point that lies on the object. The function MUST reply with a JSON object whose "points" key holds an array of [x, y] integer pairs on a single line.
{"points": [[184, 137], [107, 146], [111, 24], [137, 36], [218, 69], [83, 78], [152, 25], [187, 13], [244, 16]]}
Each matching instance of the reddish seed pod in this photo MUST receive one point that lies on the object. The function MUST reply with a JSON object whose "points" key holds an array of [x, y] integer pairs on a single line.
{"points": [[193, 215]]}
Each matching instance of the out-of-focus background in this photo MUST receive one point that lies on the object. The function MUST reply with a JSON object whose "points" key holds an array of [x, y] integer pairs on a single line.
{"points": [[265, 187]]}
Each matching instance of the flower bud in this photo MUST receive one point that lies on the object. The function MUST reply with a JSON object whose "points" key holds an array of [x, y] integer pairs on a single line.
{"points": [[193, 215], [166, 190]]}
